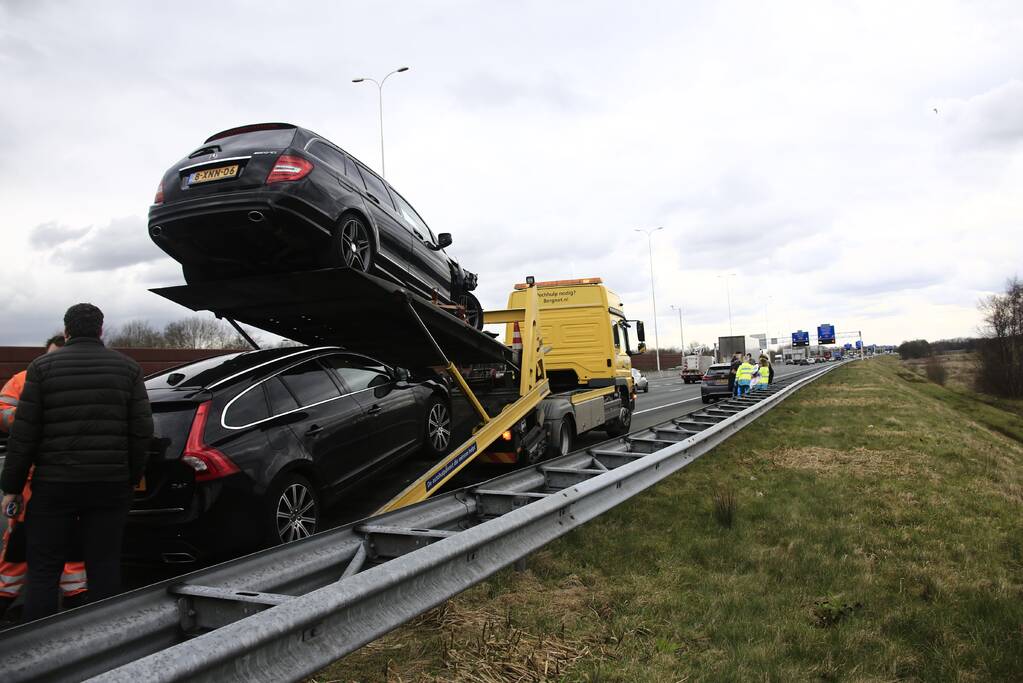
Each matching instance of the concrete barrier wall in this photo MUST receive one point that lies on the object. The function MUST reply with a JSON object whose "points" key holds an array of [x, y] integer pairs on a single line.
{"points": [[16, 358]]}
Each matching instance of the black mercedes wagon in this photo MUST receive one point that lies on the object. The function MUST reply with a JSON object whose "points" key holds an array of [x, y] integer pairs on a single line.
{"points": [[249, 447], [273, 197]]}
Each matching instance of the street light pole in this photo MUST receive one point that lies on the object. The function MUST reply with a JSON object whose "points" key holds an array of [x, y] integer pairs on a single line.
{"points": [[653, 297], [681, 336], [728, 294], [380, 101]]}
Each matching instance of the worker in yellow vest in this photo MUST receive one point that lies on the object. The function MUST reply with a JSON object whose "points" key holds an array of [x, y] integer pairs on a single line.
{"points": [[743, 376], [764, 374]]}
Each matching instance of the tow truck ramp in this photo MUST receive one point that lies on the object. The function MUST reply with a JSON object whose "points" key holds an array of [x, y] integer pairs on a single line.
{"points": [[284, 613]]}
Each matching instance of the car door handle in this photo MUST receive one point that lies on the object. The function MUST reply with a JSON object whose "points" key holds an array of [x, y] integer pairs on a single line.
{"points": [[418, 234], [374, 410], [313, 429], [373, 197]]}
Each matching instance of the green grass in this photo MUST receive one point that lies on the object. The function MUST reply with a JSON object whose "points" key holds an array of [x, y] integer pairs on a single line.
{"points": [[868, 529]]}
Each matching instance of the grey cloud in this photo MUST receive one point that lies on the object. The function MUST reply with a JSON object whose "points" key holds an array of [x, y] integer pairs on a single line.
{"points": [[50, 234], [487, 90], [122, 242]]}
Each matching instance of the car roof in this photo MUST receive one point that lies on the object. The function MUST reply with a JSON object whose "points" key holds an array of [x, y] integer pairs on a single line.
{"points": [[721, 365], [210, 372]]}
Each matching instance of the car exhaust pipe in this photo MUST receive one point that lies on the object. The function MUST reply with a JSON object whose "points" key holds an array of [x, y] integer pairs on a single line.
{"points": [[178, 558], [156, 231], [256, 216]]}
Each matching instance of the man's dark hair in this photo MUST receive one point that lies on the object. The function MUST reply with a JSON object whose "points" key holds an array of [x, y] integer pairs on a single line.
{"points": [[56, 340], [83, 320]]}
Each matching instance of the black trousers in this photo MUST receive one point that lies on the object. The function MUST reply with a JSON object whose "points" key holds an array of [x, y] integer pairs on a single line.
{"points": [[97, 511]]}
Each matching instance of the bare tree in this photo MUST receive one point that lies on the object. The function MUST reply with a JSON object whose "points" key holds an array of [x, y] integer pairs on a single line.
{"points": [[699, 348], [136, 334], [1001, 354], [202, 333]]}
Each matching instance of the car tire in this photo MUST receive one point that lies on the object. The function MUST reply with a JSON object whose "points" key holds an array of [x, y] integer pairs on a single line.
{"points": [[646, 389], [351, 245], [437, 428], [473, 309], [706, 399], [620, 425], [562, 436], [292, 510]]}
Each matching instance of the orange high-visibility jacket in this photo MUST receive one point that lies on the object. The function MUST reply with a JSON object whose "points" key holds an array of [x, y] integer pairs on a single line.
{"points": [[9, 396], [12, 574]]}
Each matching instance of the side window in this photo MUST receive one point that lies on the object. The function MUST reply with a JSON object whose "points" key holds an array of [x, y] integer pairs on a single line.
{"points": [[412, 219], [358, 376], [281, 400], [332, 157], [249, 407], [614, 329], [309, 383], [376, 187], [353, 173]]}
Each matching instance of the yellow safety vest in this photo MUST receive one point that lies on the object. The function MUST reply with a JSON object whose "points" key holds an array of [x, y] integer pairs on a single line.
{"points": [[765, 374], [745, 372]]}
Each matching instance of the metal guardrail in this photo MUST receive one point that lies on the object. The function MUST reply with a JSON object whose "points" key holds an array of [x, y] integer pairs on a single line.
{"points": [[286, 612]]}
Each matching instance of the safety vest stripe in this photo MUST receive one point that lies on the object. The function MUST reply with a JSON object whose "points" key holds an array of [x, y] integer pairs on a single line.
{"points": [[72, 576], [8, 400], [7, 418]]}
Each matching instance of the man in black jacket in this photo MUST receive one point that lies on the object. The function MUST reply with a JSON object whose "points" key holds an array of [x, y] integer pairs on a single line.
{"points": [[85, 423]]}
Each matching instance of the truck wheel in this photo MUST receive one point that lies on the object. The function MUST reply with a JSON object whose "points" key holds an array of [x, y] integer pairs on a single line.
{"points": [[560, 442], [292, 510], [621, 424]]}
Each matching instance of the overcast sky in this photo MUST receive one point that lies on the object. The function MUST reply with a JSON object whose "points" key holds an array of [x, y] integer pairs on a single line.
{"points": [[794, 144]]}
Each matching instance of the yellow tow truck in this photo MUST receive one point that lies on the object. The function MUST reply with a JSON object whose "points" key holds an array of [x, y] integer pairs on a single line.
{"points": [[562, 370]]}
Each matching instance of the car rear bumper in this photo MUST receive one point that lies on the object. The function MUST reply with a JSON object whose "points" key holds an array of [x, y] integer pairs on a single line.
{"points": [[715, 391], [227, 526], [256, 229]]}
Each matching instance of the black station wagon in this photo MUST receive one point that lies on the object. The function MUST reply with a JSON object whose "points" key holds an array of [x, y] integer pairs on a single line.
{"points": [[273, 197], [249, 446]]}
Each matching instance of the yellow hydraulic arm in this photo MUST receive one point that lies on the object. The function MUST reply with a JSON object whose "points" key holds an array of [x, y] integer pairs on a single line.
{"points": [[533, 388]]}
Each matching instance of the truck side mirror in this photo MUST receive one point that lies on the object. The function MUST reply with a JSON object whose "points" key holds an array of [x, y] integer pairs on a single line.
{"points": [[444, 240], [640, 335]]}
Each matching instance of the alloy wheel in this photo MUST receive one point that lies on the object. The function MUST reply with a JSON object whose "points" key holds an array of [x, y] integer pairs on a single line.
{"points": [[296, 513], [438, 427], [355, 247]]}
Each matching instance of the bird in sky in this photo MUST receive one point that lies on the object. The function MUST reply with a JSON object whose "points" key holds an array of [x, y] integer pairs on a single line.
{"points": [[935, 110]]}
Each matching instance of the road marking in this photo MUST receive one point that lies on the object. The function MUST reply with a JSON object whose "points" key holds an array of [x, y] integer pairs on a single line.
{"points": [[667, 405], [672, 391]]}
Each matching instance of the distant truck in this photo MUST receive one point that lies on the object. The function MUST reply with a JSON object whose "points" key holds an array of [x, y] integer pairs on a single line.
{"points": [[737, 344], [694, 367]]}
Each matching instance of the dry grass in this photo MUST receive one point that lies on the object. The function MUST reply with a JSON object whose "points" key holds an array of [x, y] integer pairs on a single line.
{"points": [[853, 462]]}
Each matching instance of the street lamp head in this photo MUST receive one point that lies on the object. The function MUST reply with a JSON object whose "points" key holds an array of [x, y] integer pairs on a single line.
{"points": [[404, 68], [358, 80]]}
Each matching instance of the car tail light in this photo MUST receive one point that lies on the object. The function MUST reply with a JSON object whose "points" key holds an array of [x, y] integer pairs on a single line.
{"points": [[159, 194], [207, 461], [706, 378], [289, 167]]}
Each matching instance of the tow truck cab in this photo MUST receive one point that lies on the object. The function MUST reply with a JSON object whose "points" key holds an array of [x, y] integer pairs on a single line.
{"points": [[584, 325]]}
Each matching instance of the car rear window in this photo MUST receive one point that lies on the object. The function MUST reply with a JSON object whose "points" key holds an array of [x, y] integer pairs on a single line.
{"points": [[257, 139], [718, 370]]}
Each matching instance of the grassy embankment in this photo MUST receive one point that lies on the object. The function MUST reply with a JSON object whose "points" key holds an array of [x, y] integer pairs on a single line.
{"points": [[875, 535]]}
